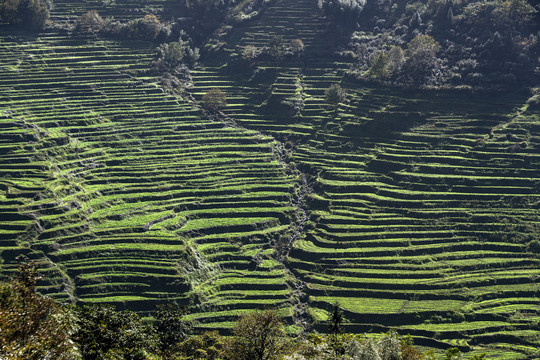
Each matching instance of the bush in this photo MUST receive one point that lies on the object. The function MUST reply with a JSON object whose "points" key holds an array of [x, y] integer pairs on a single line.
{"points": [[214, 100], [534, 247]]}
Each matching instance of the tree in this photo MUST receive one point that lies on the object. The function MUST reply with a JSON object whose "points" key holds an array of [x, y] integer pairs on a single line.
{"points": [[250, 52], [104, 333], [335, 320], [214, 100], [335, 95], [297, 47], [170, 55], [421, 55], [276, 48], [257, 336], [32, 13], [395, 59], [512, 14], [90, 21], [209, 346], [453, 354], [170, 327], [32, 326], [378, 68], [149, 27]]}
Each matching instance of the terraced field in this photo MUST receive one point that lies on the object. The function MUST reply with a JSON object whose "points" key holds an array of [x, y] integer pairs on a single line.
{"points": [[421, 206], [129, 195], [413, 210]]}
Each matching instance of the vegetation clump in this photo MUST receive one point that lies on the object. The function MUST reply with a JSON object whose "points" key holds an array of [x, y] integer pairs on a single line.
{"points": [[214, 100], [335, 95], [28, 13], [467, 44]]}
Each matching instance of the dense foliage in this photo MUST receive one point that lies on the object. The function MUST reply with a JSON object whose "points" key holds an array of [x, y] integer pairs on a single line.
{"points": [[483, 44], [33, 326], [28, 13]]}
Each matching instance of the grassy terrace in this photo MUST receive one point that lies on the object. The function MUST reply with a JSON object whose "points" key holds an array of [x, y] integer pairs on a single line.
{"points": [[433, 218], [126, 194], [420, 211], [422, 204]]}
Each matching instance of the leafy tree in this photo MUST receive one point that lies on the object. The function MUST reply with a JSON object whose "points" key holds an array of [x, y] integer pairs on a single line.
{"points": [[395, 58], [421, 55], [335, 95], [512, 14], [297, 47], [453, 354], [209, 346], [90, 21], [215, 99], [148, 28], [170, 55], [33, 326], [257, 336], [250, 52], [343, 6], [276, 48], [378, 68], [170, 327], [104, 333]]}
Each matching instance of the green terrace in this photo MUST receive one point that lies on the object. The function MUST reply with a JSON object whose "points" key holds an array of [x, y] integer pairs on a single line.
{"points": [[121, 177]]}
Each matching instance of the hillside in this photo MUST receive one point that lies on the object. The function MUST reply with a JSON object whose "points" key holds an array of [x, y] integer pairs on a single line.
{"points": [[414, 209]]}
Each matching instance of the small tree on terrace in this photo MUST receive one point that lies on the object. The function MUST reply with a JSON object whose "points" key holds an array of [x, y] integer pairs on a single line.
{"points": [[214, 100], [90, 21], [276, 48], [149, 27], [250, 52], [335, 95], [297, 47]]}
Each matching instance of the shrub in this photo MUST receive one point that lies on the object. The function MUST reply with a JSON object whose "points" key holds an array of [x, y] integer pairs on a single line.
{"points": [[214, 99], [534, 247]]}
